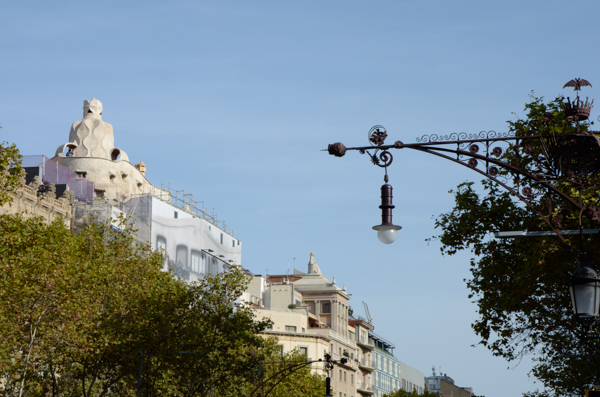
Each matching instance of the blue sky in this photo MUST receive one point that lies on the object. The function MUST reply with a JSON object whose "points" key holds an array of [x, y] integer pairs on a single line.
{"points": [[233, 101]]}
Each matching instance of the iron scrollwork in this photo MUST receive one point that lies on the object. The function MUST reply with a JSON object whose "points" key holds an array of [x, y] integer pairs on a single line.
{"points": [[377, 136]]}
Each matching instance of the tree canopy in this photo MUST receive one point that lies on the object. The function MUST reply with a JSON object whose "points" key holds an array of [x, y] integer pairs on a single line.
{"points": [[10, 171], [519, 284], [82, 314], [92, 314], [404, 393]]}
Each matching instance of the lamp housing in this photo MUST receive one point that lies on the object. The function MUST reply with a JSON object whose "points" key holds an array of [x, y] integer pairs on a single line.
{"points": [[387, 231], [584, 287]]}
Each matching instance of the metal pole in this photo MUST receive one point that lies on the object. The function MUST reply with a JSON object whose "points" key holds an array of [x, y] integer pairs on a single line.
{"points": [[328, 386]]}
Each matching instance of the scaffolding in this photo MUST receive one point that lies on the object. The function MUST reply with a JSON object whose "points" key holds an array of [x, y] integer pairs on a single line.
{"points": [[185, 202]]}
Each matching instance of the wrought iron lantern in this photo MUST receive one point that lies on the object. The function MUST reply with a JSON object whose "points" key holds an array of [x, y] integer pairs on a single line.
{"points": [[387, 231], [584, 287]]}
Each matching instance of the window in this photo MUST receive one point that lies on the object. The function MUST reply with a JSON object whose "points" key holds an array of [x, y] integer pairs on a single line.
{"points": [[221, 238], [175, 214], [233, 243], [290, 328], [351, 379], [326, 307], [214, 268], [161, 245], [181, 255], [304, 351], [340, 377], [198, 262], [345, 374]]}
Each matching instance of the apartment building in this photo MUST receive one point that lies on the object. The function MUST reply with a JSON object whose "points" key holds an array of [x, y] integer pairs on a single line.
{"points": [[310, 313]]}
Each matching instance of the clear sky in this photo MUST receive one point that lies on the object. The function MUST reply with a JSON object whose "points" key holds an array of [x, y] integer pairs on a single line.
{"points": [[233, 101]]}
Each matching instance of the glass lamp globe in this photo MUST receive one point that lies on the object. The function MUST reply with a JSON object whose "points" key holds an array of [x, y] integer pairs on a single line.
{"points": [[387, 233], [584, 287]]}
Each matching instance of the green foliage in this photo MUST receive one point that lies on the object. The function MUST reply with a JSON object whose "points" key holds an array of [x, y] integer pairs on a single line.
{"points": [[80, 313], [519, 284], [11, 173], [283, 375], [404, 393]]}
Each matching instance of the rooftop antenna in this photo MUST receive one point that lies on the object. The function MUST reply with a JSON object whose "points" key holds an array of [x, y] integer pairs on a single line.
{"points": [[369, 319], [433, 369], [288, 274], [294, 264]]}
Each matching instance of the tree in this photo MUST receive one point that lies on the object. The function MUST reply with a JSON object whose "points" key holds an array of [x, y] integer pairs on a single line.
{"points": [[73, 320], [519, 284], [214, 332], [80, 314], [404, 393], [277, 374], [11, 172]]}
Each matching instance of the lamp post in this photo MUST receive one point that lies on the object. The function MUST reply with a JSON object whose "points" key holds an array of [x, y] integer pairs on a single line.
{"points": [[535, 163], [528, 164]]}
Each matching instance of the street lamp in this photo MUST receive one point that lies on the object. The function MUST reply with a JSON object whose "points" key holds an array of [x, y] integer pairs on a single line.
{"points": [[528, 163], [538, 161], [584, 287], [387, 231]]}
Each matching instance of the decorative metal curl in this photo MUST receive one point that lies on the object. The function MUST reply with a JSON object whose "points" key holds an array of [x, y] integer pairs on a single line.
{"points": [[497, 151], [377, 135], [472, 163], [493, 171], [463, 135], [383, 159], [474, 148]]}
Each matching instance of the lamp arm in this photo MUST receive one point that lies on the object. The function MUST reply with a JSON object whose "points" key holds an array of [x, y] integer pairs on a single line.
{"points": [[514, 192], [434, 144]]}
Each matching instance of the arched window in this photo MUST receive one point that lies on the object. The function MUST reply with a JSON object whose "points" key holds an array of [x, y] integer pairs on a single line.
{"points": [[181, 256]]}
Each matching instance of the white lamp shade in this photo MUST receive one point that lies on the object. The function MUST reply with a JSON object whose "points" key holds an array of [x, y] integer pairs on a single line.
{"points": [[387, 233]]}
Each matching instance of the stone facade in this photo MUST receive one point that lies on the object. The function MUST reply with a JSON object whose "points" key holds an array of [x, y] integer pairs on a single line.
{"points": [[31, 200], [310, 313]]}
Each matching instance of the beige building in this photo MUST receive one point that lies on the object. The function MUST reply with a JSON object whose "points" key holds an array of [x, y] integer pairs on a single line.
{"points": [[445, 387], [310, 313], [39, 199], [364, 383]]}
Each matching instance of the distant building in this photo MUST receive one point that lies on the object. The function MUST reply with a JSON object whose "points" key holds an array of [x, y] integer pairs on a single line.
{"points": [[90, 178], [444, 386], [37, 199], [310, 313], [365, 358], [390, 373]]}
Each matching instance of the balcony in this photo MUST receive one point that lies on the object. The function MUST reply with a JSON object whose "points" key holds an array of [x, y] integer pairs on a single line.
{"points": [[367, 365], [365, 389], [366, 346]]}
